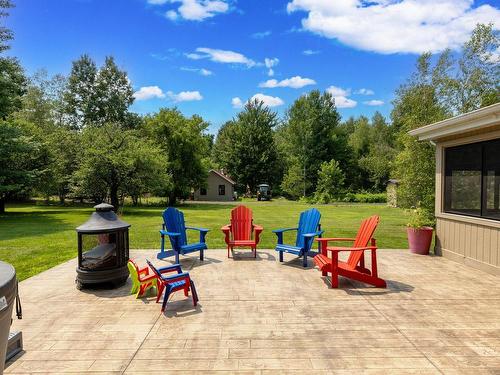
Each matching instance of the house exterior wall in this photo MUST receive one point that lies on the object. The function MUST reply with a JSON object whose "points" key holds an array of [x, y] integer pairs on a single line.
{"points": [[469, 240], [213, 182]]}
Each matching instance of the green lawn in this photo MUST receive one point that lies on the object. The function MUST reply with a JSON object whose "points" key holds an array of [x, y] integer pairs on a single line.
{"points": [[36, 237]]}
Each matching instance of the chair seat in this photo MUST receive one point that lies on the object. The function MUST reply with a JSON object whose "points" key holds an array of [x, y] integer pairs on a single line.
{"points": [[324, 263], [242, 243], [177, 284], [186, 249], [289, 249]]}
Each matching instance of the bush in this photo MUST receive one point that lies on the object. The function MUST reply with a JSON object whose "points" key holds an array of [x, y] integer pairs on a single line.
{"points": [[420, 217], [330, 182]]}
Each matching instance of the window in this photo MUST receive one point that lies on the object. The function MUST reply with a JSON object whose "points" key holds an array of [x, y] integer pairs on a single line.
{"points": [[222, 189], [203, 191], [472, 180]]}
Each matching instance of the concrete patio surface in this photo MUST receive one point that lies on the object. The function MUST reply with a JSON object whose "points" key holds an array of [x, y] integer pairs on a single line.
{"points": [[258, 316]]}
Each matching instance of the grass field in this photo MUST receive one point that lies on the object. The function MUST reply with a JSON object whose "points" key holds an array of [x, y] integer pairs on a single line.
{"points": [[37, 237]]}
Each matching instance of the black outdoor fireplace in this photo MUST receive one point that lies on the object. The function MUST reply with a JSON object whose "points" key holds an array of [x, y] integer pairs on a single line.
{"points": [[103, 249]]}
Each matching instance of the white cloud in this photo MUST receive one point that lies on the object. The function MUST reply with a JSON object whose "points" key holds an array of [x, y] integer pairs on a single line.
{"points": [[395, 26], [309, 52], [338, 91], [205, 72], [261, 34], [202, 71], [374, 102], [270, 101], [193, 10], [340, 97], [221, 56], [149, 92], [364, 91], [185, 96], [269, 63], [172, 15], [237, 102], [343, 102], [295, 82]]}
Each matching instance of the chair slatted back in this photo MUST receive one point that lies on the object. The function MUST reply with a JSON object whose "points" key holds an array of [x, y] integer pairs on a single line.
{"points": [[133, 269], [241, 223], [365, 234], [174, 222], [154, 269], [308, 223]]}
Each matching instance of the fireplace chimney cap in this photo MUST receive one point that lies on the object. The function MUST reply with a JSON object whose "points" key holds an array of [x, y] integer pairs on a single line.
{"points": [[103, 220], [103, 207]]}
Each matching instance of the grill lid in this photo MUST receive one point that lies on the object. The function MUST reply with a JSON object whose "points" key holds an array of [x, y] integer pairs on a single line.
{"points": [[103, 219], [7, 284]]}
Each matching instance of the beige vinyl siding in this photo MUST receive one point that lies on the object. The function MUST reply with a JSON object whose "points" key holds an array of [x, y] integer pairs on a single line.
{"points": [[475, 244]]}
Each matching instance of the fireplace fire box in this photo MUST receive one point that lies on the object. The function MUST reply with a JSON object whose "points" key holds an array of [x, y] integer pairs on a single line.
{"points": [[103, 249]]}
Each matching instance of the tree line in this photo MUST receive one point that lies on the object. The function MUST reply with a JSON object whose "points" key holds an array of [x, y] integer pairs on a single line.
{"points": [[75, 137]]}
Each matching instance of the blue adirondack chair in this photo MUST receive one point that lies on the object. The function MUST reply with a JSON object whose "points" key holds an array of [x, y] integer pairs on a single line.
{"points": [[308, 228], [175, 228]]}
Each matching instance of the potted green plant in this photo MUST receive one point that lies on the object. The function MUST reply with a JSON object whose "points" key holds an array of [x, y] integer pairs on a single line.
{"points": [[420, 231]]}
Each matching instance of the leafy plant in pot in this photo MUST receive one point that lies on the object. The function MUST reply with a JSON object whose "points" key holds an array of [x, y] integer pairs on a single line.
{"points": [[420, 231]]}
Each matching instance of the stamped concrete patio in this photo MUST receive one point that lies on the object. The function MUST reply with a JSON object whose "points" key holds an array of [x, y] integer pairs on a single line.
{"points": [[260, 316]]}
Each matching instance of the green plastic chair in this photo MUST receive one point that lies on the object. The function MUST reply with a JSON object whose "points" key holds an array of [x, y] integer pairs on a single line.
{"points": [[142, 280]]}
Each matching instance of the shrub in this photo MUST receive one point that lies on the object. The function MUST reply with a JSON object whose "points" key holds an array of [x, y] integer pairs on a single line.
{"points": [[330, 182], [420, 217]]}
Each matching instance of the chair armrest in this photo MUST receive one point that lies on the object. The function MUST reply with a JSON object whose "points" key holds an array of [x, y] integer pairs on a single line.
{"points": [[176, 277], [198, 229], [283, 230], [172, 268], [339, 249], [170, 234], [313, 234], [144, 271], [226, 229], [203, 232], [328, 239], [309, 237], [258, 230]]}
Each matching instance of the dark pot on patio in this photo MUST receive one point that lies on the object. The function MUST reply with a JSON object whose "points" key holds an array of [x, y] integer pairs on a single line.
{"points": [[419, 240]]}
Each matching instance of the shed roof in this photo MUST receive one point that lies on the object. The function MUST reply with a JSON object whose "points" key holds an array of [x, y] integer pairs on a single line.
{"points": [[468, 122], [222, 176]]}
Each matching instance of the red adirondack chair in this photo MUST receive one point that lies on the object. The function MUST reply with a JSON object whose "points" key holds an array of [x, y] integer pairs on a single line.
{"points": [[354, 268], [239, 232]]}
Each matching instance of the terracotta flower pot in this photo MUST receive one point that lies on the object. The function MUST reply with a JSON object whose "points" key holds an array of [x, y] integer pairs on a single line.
{"points": [[419, 240]]}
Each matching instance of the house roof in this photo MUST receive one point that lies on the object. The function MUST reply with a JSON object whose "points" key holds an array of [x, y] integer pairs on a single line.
{"points": [[468, 122], [222, 176]]}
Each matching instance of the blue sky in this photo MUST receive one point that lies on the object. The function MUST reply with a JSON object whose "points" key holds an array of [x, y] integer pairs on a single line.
{"points": [[210, 56]]}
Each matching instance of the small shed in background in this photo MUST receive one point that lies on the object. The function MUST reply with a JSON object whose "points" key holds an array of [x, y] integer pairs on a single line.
{"points": [[392, 193], [219, 188]]}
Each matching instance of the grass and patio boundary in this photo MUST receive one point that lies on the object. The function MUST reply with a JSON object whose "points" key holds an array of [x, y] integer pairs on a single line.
{"points": [[36, 237]]}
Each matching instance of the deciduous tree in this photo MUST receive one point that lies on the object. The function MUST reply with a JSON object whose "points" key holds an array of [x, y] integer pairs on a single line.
{"points": [[185, 146]]}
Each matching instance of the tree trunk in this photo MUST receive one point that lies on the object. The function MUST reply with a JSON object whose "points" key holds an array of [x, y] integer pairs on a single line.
{"points": [[2, 205], [171, 199], [114, 197]]}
